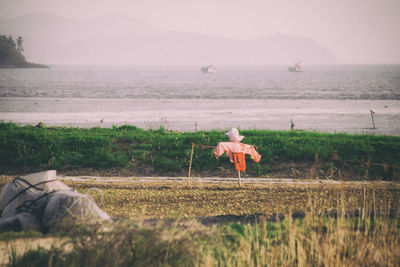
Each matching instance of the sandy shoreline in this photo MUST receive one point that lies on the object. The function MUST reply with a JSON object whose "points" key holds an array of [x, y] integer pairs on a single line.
{"points": [[351, 116]]}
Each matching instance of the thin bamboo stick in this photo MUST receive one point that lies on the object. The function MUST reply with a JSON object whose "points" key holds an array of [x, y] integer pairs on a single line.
{"points": [[372, 118], [363, 209], [191, 159], [204, 146]]}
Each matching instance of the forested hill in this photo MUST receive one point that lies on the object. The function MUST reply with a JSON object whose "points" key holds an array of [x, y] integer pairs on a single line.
{"points": [[11, 54]]}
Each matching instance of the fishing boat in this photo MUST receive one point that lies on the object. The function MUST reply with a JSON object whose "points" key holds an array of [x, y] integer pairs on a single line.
{"points": [[296, 67], [209, 69]]}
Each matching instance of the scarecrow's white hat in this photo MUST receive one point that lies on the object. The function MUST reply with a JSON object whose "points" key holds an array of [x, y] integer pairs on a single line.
{"points": [[234, 135]]}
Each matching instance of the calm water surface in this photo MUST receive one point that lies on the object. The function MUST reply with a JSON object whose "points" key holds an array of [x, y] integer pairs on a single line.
{"points": [[323, 98]]}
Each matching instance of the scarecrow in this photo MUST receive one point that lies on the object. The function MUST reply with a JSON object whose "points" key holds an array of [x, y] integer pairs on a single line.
{"points": [[236, 151]]}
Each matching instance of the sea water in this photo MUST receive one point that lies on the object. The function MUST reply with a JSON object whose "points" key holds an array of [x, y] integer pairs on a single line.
{"points": [[322, 98]]}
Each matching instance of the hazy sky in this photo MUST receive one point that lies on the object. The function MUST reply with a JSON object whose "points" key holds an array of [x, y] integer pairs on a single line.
{"points": [[357, 31]]}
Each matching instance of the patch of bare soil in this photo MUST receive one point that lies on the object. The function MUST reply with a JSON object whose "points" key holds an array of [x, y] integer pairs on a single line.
{"points": [[137, 199]]}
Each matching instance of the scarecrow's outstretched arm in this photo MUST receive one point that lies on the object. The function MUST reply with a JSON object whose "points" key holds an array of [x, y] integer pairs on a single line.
{"points": [[223, 147], [219, 150], [254, 155]]}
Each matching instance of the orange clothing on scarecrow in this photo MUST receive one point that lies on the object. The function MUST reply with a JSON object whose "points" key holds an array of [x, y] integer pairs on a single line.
{"points": [[240, 161], [236, 150]]}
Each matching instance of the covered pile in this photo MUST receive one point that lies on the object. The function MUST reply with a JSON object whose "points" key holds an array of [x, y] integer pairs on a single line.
{"points": [[40, 202]]}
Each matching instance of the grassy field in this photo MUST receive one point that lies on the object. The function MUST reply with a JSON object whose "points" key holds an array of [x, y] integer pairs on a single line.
{"points": [[328, 233], [130, 151]]}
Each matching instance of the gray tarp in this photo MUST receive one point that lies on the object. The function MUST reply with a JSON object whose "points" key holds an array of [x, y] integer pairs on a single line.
{"points": [[39, 202]]}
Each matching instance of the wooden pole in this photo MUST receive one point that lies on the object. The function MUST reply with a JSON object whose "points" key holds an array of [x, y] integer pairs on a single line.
{"points": [[191, 159], [373, 198], [240, 184], [363, 209], [372, 118]]}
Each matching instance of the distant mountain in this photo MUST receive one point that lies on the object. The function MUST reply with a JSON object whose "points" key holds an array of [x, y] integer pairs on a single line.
{"points": [[118, 39], [49, 26]]}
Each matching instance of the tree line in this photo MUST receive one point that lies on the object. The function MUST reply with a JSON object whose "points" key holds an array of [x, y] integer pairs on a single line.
{"points": [[11, 53], [11, 50]]}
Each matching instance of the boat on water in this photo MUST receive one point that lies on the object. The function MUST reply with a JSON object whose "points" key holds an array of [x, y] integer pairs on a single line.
{"points": [[296, 67], [209, 69]]}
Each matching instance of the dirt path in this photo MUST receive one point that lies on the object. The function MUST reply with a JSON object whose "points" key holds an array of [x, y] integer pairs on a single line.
{"points": [[218, 180]]}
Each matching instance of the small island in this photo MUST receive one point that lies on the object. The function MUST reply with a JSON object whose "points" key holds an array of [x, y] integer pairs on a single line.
{"points": [[11, 54]]}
